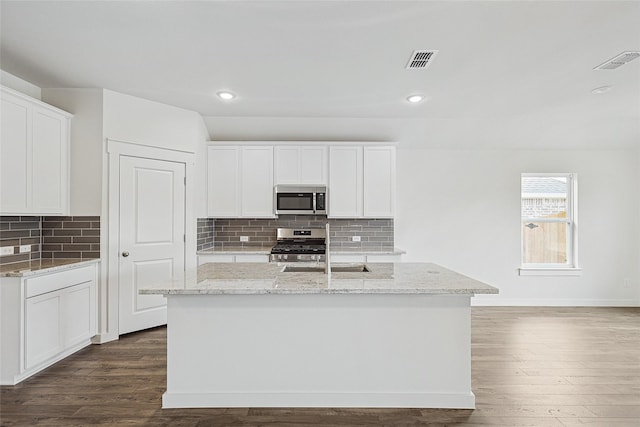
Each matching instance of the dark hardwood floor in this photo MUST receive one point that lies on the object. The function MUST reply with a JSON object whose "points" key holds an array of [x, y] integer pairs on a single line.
{"points": [[531, 367]]}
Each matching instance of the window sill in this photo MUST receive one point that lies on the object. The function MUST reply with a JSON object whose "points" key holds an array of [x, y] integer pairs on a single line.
{"points": [[550, 271]]}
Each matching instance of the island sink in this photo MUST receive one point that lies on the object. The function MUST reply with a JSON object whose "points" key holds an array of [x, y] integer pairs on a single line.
{"points": [[358, 268]]}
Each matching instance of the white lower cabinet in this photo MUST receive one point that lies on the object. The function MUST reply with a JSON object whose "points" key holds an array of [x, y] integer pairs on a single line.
{"points": [[217, 258], [46, 318], [43, 328]]}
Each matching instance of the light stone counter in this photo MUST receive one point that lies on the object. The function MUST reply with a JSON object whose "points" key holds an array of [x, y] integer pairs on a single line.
{"points": [[42, 266], [235, 250], [246, 250], [383, 278], [367, 251], [251, 335]]}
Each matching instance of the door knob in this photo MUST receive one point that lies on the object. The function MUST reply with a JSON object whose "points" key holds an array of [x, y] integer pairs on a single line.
{"points": [[125, 254]]}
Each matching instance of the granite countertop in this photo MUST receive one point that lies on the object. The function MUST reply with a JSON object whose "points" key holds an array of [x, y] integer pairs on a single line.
{"points": [[42, 266], [369, 251], [235, 250], [383, 278]]}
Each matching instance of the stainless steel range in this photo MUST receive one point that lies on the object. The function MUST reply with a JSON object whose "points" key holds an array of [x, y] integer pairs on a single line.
{"points": [[299, 245]]}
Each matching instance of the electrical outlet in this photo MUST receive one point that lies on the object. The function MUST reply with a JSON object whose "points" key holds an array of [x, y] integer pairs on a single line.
{"points": [[355, 238], [25, 248], [244, 238], [6, 250]]}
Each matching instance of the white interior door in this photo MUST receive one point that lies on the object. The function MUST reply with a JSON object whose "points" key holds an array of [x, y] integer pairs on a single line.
{"points": [[152, 233]]}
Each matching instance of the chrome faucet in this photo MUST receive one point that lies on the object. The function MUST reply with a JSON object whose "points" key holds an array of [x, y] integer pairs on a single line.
{"points": [[327, 258]]}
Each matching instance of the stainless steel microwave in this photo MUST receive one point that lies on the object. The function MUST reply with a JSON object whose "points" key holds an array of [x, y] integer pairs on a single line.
{"points": [[300, 199]]}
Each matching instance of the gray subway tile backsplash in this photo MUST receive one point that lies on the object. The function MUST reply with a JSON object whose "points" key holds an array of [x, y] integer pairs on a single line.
{"points": [[50, 237], [71, 237], [20, 230], [374, 233]]}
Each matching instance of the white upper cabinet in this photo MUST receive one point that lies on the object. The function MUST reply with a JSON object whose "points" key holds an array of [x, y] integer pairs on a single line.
{"points": [[379, 182], [257, 182], [240, 181], [223, 182], [362, 181], [34, 157], [345, 181], [301, 164]]}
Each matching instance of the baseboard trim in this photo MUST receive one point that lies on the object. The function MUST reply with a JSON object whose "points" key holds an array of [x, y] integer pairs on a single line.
{"points": [[553, 302], [319, 400], [18, 378]]}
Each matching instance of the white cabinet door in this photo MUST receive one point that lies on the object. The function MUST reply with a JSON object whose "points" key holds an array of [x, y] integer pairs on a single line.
{"points": [[313, 165], [79, 314], [34, 153], [379, 182], [257, 181], [287, 167], [15, 155], [223, 186], [43, 328], [49, 185], [301, 165], [345, 182]]}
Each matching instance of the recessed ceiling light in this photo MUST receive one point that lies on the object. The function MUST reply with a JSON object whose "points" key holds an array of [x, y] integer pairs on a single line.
{"points": [[225, 95], [601, 89], [414, 99]]}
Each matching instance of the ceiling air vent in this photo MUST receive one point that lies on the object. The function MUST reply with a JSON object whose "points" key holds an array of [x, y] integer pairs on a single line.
{"points": [[618, 61], [421, 59]]}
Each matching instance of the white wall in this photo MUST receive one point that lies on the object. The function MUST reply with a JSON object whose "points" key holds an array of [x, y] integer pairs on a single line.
{"points": [[637, 284], [458, 201], [86, 145], [100, 115], [140, 121], [131, 119], [16, 83], [461, 209]]}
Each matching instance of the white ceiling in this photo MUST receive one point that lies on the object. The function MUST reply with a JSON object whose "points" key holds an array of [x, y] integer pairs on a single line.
{"points": [[508, 73]]}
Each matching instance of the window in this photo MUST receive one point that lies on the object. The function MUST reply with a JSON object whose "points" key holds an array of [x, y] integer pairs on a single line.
{"points": [[548, 223]]}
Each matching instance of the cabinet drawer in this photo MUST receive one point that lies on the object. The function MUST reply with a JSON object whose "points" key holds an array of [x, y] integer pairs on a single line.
{"points": [[54, 281], [252, 258], [204, 259]]}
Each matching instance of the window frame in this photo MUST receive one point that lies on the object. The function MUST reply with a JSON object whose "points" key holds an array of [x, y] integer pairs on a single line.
{"points": [[570, 267]]}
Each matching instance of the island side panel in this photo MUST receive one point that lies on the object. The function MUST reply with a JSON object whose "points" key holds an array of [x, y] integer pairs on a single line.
{"points": [[327, 350]]}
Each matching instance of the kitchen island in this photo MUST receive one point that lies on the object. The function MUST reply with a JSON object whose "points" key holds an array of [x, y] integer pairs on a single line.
{"points": [[253, 335]]}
